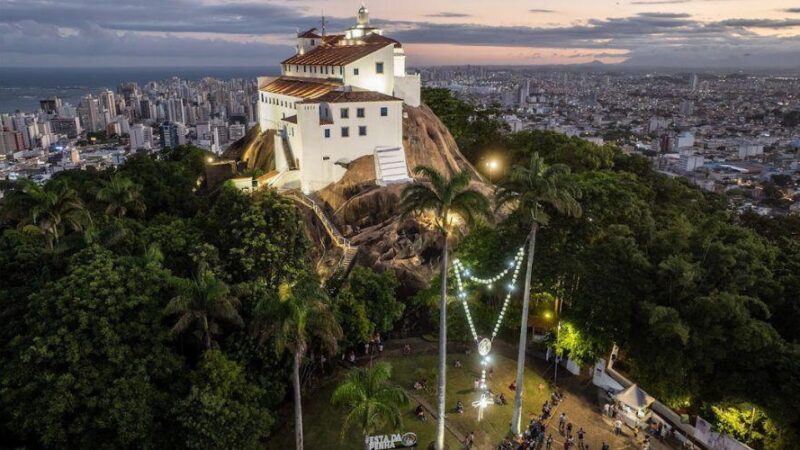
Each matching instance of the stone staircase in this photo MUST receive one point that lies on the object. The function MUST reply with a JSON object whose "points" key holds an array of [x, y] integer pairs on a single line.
{"points": [[349, 251], [390, 165], [287, 151]]}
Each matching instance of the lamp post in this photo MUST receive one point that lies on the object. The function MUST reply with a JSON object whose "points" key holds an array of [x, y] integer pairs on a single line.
{"points": [[492, 166]]}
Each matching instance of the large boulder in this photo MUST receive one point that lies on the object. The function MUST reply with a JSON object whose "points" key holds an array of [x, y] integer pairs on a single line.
{"points": [[369, 215]]}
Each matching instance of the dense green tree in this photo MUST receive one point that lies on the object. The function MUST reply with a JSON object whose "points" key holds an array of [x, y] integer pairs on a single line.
{"points": [[222, 410], [202, 303], [377, 291], [479, 132], [48, 211], [86, 370], [258, 236], [352, 315], [121, 196], [447, 200]]}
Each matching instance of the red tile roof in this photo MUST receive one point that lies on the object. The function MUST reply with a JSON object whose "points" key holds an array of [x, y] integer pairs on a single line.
{"points": [[306, 88], [335, 55], [352, 96], [312, 33], [377, 39]]}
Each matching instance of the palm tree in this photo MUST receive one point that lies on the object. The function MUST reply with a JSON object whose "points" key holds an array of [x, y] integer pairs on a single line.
{"points": [[48, 211], [447, 200], [371, 400], [121, 195], [301, 315], [528, 190], [202, 302]]}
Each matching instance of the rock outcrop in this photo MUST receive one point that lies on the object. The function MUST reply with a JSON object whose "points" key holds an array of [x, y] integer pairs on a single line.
{"points": [[255, 151], [369, 215]]}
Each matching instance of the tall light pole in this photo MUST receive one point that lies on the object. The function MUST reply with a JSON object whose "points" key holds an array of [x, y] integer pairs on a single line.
{"points": [[558, 333]]}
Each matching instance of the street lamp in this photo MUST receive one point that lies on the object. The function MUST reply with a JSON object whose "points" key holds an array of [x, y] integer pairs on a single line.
{"points": [[210, 159], [492, 166]]}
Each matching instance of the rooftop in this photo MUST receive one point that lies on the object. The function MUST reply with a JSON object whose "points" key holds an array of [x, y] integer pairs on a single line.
{"points": [[336, 55], [306, 88], [352, 97]]}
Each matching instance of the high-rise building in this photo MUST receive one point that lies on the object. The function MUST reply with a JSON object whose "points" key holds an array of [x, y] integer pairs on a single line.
{"points": [[70, 126], [236, 132], [175, 110], [89, 113], [21, 125], [169, 134], [141, 137], [109, 102], [12, 141], [50, 105]]}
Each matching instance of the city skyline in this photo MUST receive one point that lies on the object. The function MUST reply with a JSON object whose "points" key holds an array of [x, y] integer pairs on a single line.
{"points": [[672, 33]]}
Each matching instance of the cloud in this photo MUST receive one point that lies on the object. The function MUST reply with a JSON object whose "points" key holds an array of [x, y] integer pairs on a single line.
{"points": [[30, 43], [664, 15], [792, 10], [541, 11], [246, 32], [448, 15], [762, 23], [659, 2]]}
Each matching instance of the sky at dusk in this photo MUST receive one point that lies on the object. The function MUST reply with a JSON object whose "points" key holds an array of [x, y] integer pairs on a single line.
{"points": [[675, 33]]}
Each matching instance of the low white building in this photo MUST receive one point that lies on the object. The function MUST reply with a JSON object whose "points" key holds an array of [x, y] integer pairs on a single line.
{"points": [[339, 97]]}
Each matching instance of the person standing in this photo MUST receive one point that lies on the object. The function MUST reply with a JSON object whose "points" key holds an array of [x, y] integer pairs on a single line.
{"points": [[618, 427], [469, 441], [549, 442], [562, 421]]}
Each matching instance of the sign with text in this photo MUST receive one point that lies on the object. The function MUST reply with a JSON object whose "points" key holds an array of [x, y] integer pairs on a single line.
{"points": [[395, 440]]}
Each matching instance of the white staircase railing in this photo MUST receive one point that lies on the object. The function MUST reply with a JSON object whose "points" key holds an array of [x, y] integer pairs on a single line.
{"points": [[349, 251]]}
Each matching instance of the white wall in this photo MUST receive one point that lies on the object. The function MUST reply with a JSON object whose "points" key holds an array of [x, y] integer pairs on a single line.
{"points": [[367, 78], [308, 71], [320, 154], [399, 62], [408, 88], [271, 113]]}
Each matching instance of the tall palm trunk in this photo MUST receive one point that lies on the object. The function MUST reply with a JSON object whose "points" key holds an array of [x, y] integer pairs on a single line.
{"points": [[206, 333], [442, 349], [516, 419], [298, 405]]}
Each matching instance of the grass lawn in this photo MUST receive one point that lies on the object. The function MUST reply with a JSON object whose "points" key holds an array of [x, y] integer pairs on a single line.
{"points": [[496, 422], [322, 422]]}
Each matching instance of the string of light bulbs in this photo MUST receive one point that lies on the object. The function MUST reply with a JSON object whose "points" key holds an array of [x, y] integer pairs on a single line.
{"points": [[485, 344]]}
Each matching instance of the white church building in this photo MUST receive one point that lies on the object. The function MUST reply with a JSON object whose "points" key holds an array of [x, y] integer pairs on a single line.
{"points": [[339, 97]]}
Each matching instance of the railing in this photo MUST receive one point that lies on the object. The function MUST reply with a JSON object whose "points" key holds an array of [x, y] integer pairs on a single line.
{"points": [[330, 228]]}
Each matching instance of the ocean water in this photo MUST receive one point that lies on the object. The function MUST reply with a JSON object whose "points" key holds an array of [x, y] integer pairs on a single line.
{"points": [[22, 88]]}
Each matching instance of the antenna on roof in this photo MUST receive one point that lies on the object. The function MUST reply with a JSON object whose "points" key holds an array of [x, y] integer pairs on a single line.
{"points": [[323, 23]]}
